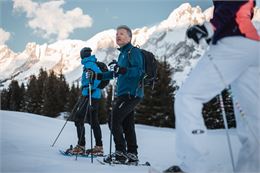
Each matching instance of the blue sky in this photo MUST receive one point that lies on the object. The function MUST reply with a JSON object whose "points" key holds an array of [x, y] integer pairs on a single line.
{"points": [[46, 21]]}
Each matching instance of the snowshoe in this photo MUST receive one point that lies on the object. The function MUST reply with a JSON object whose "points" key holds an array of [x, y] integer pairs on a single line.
{"points": [[96, 151], [79, 150], [116, 158], [132, 158], [174, 169]]}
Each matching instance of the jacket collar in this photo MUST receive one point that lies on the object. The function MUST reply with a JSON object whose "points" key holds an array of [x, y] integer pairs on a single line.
{"points": [[91, 58], [125, 47]]}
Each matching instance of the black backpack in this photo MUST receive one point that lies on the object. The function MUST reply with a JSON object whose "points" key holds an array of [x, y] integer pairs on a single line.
{"points": [[103, 67], [150, 67]]}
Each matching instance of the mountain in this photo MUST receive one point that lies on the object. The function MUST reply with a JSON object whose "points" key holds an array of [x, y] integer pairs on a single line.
{"points": [[26, 141], [166, 40]]}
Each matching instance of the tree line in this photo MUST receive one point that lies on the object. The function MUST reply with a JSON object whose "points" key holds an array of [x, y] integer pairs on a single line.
{"points": [[49, 94]]}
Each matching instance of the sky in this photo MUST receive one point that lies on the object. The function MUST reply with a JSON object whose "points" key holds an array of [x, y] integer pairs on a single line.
{"points": [[47, 21], [26, 141]]}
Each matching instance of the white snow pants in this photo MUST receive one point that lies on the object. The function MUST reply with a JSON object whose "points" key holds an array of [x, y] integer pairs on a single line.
{"points": [[237, 61]]}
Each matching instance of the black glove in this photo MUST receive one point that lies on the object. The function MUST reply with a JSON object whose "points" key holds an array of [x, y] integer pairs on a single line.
{"points": [[119, 70], [116, 68], [197, 32]]}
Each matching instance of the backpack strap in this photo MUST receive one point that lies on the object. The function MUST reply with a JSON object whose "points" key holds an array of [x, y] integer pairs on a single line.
{"points": [[129, 55], [141, 82]]}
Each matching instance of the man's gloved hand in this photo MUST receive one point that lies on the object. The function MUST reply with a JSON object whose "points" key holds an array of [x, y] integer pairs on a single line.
{"points": [[197, 32], [116, 68], [119, 70]]}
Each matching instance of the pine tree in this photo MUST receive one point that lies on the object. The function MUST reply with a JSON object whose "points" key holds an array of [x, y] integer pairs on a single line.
{"points": [[62, 90], [5, 97], [15, 96], [157, 106], [41, 80], [212, 112], [32, 98], [50, 99], [73, 97], [23, 93]]}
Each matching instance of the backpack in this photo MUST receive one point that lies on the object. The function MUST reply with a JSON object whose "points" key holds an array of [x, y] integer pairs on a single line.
{"points": [[150, 67], [103, 67]]}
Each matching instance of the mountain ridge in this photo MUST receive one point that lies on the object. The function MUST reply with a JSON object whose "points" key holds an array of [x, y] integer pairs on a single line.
{"points": [[166, 40]]}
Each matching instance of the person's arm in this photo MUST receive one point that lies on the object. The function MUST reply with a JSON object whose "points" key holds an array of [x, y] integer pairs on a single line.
{"points": [[99, 76], [105, 75]]}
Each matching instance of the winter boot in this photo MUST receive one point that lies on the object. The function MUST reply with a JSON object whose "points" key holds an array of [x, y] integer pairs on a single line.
{"points": [[118, 157], [173, 169], [96, 151], [78, 150], [132, 158]]}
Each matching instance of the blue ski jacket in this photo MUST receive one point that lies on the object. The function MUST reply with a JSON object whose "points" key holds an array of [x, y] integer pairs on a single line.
{"points": [[90, 63], [128, 83]]}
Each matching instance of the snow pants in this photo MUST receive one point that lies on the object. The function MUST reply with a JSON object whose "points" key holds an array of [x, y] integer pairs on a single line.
{"points": [[232, 61], [86, 110], [123, 124]]}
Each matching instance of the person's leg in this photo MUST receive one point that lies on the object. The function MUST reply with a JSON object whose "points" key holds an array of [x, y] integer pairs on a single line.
{"points": [[130, 135], [245, 91], [80, 133], [79, 121], [95, 123], [120, 111], [220, 65]]}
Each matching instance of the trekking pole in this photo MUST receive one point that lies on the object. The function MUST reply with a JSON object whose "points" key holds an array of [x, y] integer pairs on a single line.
{"points": [[111, 118], [89, 109], [226, 129], [72, 112], [90, 119], [111, 115], [204, 42]]}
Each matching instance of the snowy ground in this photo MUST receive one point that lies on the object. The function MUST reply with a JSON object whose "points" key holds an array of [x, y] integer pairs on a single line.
{"points": [[26, 141]]}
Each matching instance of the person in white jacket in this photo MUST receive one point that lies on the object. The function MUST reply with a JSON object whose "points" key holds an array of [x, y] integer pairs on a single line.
{"points": [[232, 59]]}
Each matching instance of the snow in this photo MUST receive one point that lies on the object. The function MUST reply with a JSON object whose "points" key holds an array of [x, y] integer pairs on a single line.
{"points": [[26, 141]]}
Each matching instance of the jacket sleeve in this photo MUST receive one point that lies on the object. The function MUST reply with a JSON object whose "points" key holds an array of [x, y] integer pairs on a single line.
{"points": [[136, 64], [93, 66], [107, 75], [224, 11]]}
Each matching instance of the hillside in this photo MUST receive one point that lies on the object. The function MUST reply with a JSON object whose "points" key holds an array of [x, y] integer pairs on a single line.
{"points": [[26, 141]]}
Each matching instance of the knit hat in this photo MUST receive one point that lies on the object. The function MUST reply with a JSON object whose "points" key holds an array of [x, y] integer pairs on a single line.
{"points": [[85, 52]]}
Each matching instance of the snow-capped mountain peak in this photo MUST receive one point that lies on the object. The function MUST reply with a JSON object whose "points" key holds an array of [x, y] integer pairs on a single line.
{"points": [[166, 40]]}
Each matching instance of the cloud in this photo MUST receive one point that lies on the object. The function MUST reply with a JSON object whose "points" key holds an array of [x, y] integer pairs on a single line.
{"points": [[4, 36], [49, 19]]}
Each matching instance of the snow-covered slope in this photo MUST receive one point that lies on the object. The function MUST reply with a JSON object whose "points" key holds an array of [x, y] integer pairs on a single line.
{"points": [[166, 40], [26, 141]]}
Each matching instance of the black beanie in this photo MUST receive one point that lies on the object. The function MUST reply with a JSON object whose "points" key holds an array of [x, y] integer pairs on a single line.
{"points": [[85, 52]]}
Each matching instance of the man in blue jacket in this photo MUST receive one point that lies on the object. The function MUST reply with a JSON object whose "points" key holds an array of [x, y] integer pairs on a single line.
{"points": [[129, 71], [85, 112], [231, 60]]}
